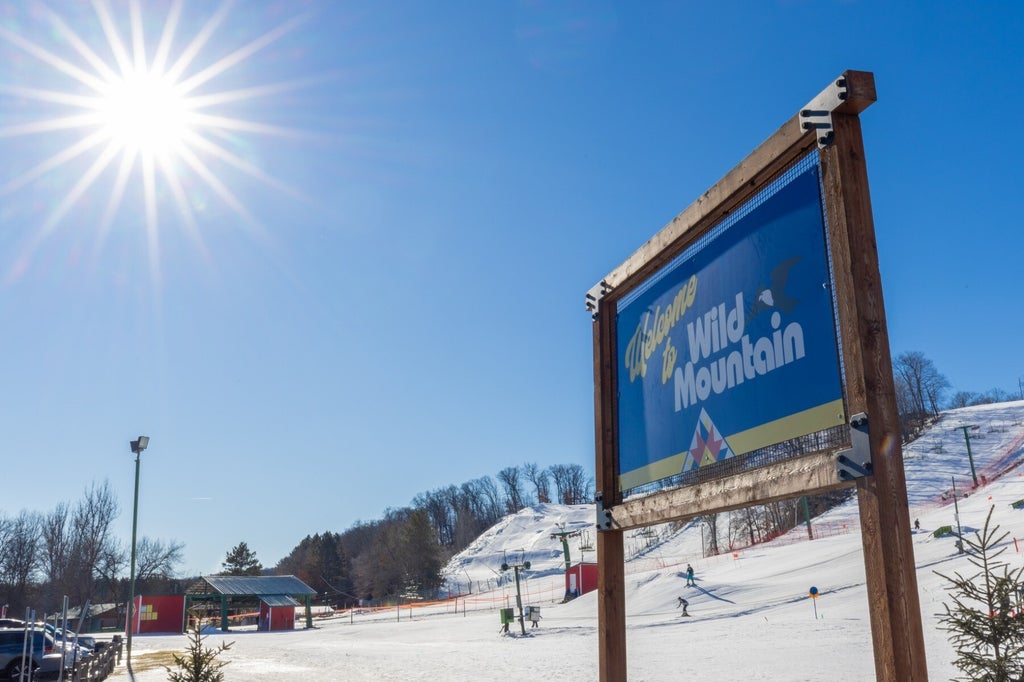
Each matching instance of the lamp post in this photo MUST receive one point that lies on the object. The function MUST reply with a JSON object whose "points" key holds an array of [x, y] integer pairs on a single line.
{"points": [[137, 447]]}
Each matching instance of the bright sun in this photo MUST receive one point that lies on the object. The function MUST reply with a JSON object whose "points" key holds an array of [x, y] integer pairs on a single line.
{"points": [[146, 112], [151, 114]]}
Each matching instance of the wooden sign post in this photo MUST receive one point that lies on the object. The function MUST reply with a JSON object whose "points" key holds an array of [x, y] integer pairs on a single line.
{"points": [[873, 462]]}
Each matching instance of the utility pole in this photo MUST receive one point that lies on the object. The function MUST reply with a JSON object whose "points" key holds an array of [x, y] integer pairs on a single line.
{"points": [[956, 515], [970, 457]]}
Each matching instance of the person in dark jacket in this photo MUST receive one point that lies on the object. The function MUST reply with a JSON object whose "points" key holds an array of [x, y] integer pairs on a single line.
{"points": [[689, 576]]}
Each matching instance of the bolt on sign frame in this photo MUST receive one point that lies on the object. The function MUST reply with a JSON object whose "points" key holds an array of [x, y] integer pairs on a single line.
{"points": [[741, 356]]}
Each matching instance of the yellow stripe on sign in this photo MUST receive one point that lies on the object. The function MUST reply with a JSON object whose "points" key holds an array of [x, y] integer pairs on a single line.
{"points": [[663, 468], [815, 419], [808, 421]]}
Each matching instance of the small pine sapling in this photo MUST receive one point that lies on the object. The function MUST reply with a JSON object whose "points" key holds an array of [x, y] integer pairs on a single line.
{"points": [[199, 663], [986, 622]]}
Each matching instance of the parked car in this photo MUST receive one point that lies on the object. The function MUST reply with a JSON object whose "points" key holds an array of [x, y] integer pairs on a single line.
{"points": [[85, 643], [82, 645], [12, 646]]}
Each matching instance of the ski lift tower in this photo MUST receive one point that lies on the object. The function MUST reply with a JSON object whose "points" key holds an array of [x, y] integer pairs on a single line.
{"points": [[967, 428], [564, 536]]}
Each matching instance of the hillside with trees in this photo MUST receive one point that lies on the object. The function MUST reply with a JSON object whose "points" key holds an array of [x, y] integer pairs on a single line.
{"points": [[71, 549], [402, 554]]}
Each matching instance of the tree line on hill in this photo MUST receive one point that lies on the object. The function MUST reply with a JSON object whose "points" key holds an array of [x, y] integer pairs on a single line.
{"points": [[71, 550], [921, 393], [401, 555]]}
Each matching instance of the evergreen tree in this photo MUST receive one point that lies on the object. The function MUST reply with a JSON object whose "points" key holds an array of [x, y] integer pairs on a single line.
{"points": [[199, 663], [320, 561], [241, 561], [985, 622]]}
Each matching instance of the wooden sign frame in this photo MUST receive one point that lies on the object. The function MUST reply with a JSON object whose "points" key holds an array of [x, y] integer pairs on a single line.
{"points": [[831, 122]]}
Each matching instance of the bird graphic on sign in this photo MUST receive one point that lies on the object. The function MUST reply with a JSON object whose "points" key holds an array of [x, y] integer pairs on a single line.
{"points": [[774, 294]]}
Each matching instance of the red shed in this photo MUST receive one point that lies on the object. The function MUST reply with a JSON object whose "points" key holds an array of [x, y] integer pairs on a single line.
{"points": [[277, 612], [581, 578], [159, 614]]}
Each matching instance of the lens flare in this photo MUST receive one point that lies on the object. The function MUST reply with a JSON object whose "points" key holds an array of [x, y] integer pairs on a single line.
{"points": [[152, 119]]}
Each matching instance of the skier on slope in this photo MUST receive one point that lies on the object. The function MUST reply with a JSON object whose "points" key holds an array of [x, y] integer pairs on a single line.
{"points": [[683, 603], [689, 576]]}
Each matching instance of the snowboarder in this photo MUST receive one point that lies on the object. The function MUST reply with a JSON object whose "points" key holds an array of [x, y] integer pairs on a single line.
{"points": [[683, 603], [689, 576]]}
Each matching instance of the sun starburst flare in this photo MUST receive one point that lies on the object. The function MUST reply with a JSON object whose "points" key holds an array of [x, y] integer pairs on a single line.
{"points": [[151, 119]]}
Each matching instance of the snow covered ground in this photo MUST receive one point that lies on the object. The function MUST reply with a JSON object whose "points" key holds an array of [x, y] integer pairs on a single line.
{"points": [[751, 615]]}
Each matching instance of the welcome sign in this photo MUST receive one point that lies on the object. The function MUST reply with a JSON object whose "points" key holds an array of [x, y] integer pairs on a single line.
{"points": [[734, 348]]}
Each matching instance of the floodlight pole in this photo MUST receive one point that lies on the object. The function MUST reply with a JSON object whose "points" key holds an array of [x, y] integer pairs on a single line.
{"points": [[137, 447], [970, 457]]}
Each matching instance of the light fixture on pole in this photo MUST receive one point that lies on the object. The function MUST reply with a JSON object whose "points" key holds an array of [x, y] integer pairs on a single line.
{"points": [[137, 447]]}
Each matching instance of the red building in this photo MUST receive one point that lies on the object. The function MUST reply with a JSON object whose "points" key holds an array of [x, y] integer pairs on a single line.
{"points": [[159, 614], [277, 612], [581, 578], [232, 596]]}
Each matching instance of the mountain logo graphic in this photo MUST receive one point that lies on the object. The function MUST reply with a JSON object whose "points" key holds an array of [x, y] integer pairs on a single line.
{"points": [[708, 445]]}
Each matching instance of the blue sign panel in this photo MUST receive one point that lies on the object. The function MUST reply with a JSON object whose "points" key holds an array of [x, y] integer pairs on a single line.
{"points": [[734, 348]]}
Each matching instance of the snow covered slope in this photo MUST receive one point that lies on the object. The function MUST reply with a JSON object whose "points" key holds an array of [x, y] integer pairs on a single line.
{"points": [[751, 615]]}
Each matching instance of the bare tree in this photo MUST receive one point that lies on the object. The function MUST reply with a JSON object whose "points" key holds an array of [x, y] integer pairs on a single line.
{"points": [[19, 556], [92, 536], [157, 559], [560, 477], [513, 486], [711, 543], [540, 480], [488, 499], [962, 399], [781, 515], [55, 554], [919, 387], [572, 485], [439, 509]]}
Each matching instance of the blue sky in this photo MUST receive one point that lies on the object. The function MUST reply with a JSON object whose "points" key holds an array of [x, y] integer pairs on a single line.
{"points": [[373, 285]]}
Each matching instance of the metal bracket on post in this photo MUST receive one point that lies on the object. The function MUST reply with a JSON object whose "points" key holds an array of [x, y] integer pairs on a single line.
{"points": [[855, 462], [604, 516], [594, 296], [817, 115]]}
